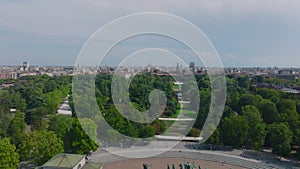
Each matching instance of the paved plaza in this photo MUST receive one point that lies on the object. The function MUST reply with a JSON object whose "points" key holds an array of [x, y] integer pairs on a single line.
{"points": [[186, 151]]}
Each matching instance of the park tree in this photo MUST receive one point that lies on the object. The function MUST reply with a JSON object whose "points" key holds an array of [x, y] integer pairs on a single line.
{"points": [[296, 138], [90, 127], [33, 95], [16, 129], [257, 129], [234, 130], [77, 141], [248, 99], [214, 139], [159, 126], [146, 131], [269, 111], [289, 114], [232, 100], [60, 124], [270, 94], [292, 118], [53, 99], [5, 118], [17, 101], [9, 158], [34, 117], [203, 108], [280, 138], [243, 82], [285, 105], [6, 99], [39, 146]]}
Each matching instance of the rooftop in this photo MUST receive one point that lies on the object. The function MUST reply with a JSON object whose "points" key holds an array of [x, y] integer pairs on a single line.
{"points": [[64, 161]]}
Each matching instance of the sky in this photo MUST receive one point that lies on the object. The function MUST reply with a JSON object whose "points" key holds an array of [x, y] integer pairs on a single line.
{"points": [[245, 33]]}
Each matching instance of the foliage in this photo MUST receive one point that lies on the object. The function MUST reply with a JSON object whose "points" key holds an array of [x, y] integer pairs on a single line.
{"points": [[16, 129], [194, 132], [77, 141], [5, 118], [269, 112], [257, 132], [9, 158], [234, 130], [40, 146], [280, 138]]}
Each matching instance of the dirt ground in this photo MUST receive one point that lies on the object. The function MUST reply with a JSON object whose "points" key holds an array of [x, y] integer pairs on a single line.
{"points": [[161, 163]]}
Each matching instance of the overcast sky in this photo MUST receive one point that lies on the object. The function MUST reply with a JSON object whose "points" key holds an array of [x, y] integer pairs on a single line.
{"points": [[245, 33]]}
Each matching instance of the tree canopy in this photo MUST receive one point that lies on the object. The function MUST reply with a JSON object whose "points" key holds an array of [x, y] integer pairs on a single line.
{"points": [[9, 158]]}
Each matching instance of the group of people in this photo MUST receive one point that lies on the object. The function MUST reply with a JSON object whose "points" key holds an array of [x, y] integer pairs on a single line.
{"points": [[186, 165]]}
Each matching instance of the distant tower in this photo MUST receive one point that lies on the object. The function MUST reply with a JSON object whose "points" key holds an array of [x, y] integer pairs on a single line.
{"points": [[25, 66], [192, 66], [177, 67]]}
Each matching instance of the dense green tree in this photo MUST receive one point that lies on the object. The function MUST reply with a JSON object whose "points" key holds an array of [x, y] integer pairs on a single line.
{"points": [[296, 138], [33, 96], [35, 117], [214, 138], [244, 82], [203, 108], [232, 100], [9, 158], [280, 137], [234, 130], [288, 114], [159, 126], [50, 86], [16, 129], [227, 112], [78, 141], [39, 146], [269, 112], [270, 94], [53, 99], [248, 99], [5, 118], [60, 124], [257, 129], [285, 105], [147, 131], [90, 127]]}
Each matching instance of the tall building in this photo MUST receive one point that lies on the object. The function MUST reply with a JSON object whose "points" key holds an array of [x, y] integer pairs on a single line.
{"points": [[192, 66], [25, 66]]}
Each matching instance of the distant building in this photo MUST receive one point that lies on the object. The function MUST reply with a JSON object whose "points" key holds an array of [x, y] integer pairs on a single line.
{"points": [[25, 66], [192, 66], [69, 161], [288, 90], [8, 75], [287, 74]]}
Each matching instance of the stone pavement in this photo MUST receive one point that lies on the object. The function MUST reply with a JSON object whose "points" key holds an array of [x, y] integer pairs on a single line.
{"points": [[184, 151]]}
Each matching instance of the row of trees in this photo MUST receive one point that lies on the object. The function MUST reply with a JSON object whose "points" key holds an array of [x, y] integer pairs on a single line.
{"points": [[35, 133], [256, 117]]}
